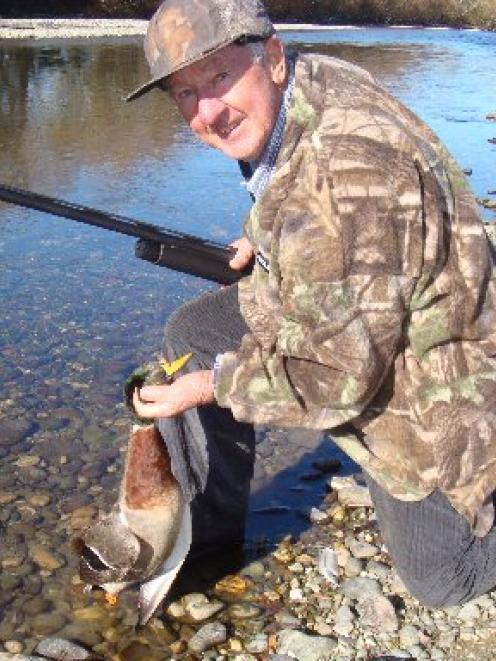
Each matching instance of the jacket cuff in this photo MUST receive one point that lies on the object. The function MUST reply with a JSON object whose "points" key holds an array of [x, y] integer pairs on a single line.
{"points": [[224, 367]]}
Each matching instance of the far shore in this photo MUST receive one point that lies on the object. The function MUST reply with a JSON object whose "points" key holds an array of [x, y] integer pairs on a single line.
{"points": [[67, 28]]}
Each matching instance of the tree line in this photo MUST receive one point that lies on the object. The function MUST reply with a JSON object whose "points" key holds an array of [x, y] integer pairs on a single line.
{"points": [[456, 13]]}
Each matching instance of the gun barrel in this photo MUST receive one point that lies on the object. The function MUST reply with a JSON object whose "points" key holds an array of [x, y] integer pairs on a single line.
{"points": [[181, 252]]}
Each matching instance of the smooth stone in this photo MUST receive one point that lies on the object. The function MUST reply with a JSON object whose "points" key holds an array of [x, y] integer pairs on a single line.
{"points": [[46, 559], [13, 646], [7, 497], [254, 570], [258, 644], [362, 550], [15, 431], [36, 605], [355, 496], [360, 587], [74, 502], [377, 612], [213, 633], [45, 624], [93, 612], [353, 567], [469, 612], [343, 629], [61, 649], [397, 586], [378, 569], [304, 647], [138, 651], [39, 499], [202, 610], [409, 636], [9, 582], [243, 610], [344, 614], [27, 461]]}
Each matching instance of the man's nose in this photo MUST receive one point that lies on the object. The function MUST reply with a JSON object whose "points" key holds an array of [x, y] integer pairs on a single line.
{"points": [[210, 110]]}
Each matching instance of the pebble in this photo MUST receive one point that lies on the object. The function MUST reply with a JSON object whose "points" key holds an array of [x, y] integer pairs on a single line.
{"points": [[27, 461], [258, 644], [304, 647], [58, 648], [360, 588], [15, 431], [353, 567], [468, 612], [243, 610], [213, 633], [409, 636], [355, 496], [45, 558], [44, 624], [199, 608], [377, 611], [362, 550], [13, 646]]}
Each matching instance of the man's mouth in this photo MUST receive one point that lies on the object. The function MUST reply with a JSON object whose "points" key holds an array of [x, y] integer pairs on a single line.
{"points": [[226, 131]]}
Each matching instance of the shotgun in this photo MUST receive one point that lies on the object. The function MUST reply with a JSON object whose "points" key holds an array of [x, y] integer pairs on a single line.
{"points": [[161, 246]]}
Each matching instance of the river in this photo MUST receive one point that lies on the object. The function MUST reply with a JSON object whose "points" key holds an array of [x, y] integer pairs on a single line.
{"points": [[79, 312]]}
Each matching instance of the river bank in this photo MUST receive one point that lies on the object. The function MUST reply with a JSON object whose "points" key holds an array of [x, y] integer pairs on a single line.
{"points": [[69, 28]]}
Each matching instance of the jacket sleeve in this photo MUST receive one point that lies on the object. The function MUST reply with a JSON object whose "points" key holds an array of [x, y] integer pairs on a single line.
{"points": [[344, 277]]}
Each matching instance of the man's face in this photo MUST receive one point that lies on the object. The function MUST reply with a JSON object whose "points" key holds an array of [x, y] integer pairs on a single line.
{"points": [[231, 101]]}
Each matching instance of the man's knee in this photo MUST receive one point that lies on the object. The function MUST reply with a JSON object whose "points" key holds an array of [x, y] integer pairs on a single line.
{"points": [[442, 588]]}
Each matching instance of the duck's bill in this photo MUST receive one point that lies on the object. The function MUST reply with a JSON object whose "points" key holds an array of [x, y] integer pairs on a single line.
{"points": [[152, 592]]}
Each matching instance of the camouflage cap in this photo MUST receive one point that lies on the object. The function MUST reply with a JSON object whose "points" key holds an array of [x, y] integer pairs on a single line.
{"points": [[184, 31]]}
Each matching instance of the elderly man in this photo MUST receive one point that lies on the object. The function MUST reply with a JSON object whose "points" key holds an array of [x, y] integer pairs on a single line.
{"points": [[370, 310]]}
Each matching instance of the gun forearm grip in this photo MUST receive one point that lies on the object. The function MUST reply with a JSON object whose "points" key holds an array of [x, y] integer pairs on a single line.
{"points": [[212, 265]]}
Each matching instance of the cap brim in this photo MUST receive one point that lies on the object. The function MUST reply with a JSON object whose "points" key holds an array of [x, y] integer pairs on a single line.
{"points": [[143, 89]]}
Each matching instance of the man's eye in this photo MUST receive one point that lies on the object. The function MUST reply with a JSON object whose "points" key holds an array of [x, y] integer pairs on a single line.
{"points": [[222, 76], [182, 95]]}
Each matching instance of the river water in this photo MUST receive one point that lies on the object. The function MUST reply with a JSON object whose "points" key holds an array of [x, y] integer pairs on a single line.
{"points": [[79, 312]]}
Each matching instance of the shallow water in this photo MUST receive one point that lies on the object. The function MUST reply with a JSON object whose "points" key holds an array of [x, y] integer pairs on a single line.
{"points": [[79, 312]]}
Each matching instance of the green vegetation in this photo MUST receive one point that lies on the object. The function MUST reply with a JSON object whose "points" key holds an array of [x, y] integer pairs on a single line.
{"points": [[455, 13]]}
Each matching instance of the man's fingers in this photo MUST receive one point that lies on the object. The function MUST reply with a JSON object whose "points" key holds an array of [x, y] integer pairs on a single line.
{"points": [[152, 393], [150, 409]]}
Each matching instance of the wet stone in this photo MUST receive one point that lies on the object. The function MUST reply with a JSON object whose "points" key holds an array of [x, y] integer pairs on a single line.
{"points": [[74, 502], [360, 587], [304, 647], [27, 461], [15, 431], [46, 559], [243, 610], [35, 606], [409, 635], [258, 644], [207, 636], [377, 612], [353, 567], [58, 648], [362, 550], [45, 624]]}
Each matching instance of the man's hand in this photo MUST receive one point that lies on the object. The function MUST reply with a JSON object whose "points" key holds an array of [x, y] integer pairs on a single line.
{"points": [[244, 254], [166, 401]]}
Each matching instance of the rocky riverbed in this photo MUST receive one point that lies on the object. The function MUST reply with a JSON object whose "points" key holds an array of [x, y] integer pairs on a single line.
{"points": [[330, 593]]}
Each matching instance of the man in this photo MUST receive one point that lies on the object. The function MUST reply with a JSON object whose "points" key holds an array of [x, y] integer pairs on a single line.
{"points": [[370, 310]]}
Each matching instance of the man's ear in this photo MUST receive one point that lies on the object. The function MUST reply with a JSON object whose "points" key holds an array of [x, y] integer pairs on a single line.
{"points": [[274, 51]]}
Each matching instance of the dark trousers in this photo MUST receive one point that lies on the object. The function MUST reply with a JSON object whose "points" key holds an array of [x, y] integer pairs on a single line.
{"points": [[432, 547], [212, 454], [437, 556]]}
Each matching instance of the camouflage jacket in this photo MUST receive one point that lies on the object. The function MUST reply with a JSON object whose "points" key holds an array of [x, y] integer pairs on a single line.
{"points": [[372, 305]]}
